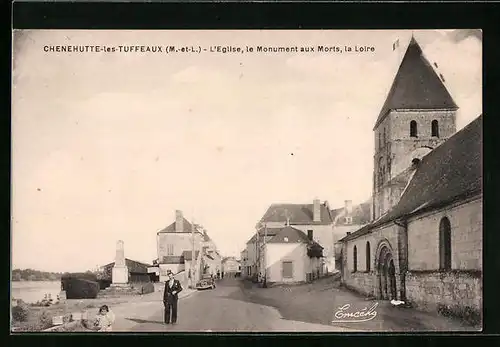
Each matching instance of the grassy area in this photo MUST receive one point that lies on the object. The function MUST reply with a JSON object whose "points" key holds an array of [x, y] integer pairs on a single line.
{"points": [[37, 318]]}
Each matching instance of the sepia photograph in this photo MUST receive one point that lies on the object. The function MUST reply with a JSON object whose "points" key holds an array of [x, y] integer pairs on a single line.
{"points": [[212, 181]]}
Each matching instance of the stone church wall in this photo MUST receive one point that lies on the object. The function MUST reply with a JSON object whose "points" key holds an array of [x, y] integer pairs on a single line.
{"points": [[456, 292], [363, 280]]}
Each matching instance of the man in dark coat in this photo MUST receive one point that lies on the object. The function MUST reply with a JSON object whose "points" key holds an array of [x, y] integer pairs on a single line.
{"points": [[170, 297]]}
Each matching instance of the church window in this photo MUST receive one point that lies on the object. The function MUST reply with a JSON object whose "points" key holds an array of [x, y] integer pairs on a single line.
{"points": [[445, 244], [413, 129], [435, 128], [355, 259], [379, 140], [367, 256], [385, 138]]}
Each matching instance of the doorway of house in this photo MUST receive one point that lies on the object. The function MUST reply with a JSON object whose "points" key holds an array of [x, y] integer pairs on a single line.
{"points": [[386, 275]]}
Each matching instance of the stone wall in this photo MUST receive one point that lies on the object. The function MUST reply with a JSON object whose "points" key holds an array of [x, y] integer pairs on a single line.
{"points": [[457, 291], [362, 282], [466, 237]]}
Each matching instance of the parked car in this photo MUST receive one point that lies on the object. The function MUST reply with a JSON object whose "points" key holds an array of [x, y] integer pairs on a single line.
{"points": [[206, 282]]}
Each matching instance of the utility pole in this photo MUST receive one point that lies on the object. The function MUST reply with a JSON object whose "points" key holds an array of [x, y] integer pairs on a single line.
{"points": [[265, 253], [191, 270]]}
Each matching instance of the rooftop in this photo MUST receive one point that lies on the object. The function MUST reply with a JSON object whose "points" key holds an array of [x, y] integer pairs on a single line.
{"points": [[360, 214], [416, 86], [297, 214]]}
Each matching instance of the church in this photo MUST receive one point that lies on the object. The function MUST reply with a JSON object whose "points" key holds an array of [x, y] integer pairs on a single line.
{"points": [[423, 244]]}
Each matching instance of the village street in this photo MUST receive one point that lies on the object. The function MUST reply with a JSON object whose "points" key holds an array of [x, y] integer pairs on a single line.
{"points": [[239, 306], [225, 309]]}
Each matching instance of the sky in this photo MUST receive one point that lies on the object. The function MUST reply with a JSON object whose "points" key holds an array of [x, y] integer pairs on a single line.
{"points": [[106, 146]]}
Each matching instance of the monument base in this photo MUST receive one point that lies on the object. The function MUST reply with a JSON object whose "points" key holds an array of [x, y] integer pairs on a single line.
{"points": [[119, 285], [119, 275]]}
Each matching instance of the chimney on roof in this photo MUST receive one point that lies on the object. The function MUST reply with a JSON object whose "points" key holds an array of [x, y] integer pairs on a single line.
{"points": [[179, 224], [348, 207], [317, 210], [348, 233]]}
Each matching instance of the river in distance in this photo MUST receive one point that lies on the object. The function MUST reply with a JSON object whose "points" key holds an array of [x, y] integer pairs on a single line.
{"points": [[33, 291]]}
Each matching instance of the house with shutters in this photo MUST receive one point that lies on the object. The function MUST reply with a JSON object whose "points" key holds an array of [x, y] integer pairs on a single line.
{"points": [[292, 243], [290, 256], [314, 219], [423, 243], [176, 244]]}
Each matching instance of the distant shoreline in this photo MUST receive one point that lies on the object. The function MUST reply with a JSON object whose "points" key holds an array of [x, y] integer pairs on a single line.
{"points": [[42, 280]]}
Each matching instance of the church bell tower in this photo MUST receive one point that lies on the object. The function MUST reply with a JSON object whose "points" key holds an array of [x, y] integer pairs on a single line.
{"points": [[418, 115]]}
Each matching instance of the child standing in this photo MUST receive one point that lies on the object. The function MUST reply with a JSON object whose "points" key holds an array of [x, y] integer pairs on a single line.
{"points": [[105, 319]]}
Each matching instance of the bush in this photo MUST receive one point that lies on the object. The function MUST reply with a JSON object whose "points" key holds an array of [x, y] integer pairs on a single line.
{"points": [[45, 320], [77, 288], [77, 275], [20, 313], [466, 314]]}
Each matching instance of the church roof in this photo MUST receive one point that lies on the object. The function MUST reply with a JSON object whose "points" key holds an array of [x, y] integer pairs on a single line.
{"points": [[416, 86], [451, 172], [298, 214]]}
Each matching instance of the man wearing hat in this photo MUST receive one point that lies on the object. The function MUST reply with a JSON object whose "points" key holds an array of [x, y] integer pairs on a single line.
{"points": [[170, 297]]}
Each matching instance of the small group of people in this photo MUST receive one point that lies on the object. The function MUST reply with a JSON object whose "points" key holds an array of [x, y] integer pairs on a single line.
{"points": [[220, 275]]}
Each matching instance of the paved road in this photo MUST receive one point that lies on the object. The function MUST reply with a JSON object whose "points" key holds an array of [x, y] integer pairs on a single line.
{"points": [[223, 309]]}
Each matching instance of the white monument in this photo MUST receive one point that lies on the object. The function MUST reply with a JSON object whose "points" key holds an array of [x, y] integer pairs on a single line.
{"points": [[119, 274]]}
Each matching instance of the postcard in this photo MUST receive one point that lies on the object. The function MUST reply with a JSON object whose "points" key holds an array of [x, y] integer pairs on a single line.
{"points": [[246, 181]]}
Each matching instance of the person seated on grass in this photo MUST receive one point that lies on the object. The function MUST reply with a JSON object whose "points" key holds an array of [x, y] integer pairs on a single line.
{"points": [[105, 319]]}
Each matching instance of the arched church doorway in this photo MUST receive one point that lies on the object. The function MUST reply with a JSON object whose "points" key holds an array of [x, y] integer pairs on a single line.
{"points": [[386, 275]]}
